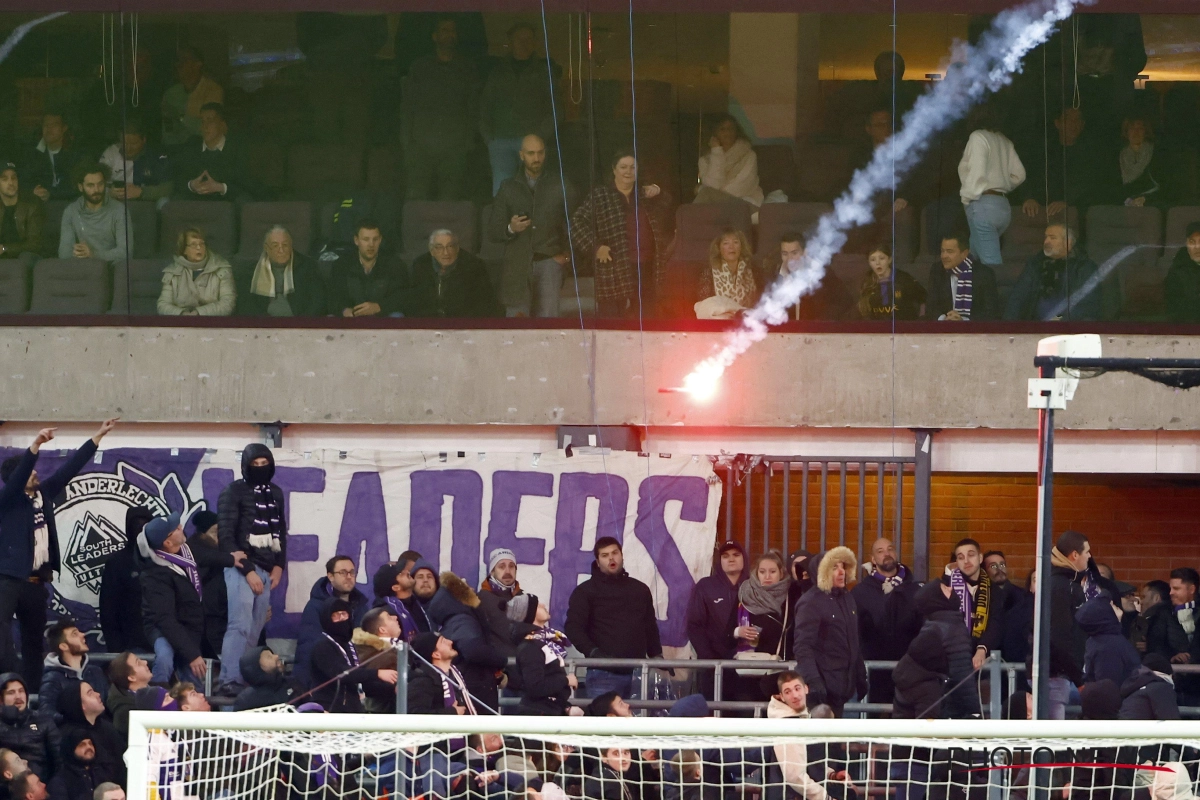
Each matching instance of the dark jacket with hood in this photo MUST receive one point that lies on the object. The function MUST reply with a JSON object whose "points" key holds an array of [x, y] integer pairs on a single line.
{"points": [[57, 676], [110, 745], [1158, 627], [310, 622], [937, 658], [712, 612], [541, 677], [493, 606], [1147, 695], [332, 655], [377, 653], [425, 693], [887, 623], [1108, 654], [262, 688], [76, 779], [26, 735], [236, 511], [454, 609], [1066, 596], [612, 616], [170, 603], [826, 636], [121, 590]]}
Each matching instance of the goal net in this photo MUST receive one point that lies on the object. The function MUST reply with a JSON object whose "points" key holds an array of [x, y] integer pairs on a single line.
{"points": [[293, 756]]}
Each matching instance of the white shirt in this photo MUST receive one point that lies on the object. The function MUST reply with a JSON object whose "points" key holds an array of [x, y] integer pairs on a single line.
{"points": [[220, 146], [989, 162]]}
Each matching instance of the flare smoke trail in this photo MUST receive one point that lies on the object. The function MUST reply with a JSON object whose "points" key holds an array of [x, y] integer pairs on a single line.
{"points": [[18, 34], [977, 71]]}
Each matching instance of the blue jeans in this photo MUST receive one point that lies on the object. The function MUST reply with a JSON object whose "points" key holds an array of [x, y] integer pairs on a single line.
{"points": [[247, 618], [503, 154], [600, 681], [988, 218], [164, 661], [545, 284]]}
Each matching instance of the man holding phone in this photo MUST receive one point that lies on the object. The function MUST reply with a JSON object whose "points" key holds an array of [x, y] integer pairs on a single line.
{"points": [[528, 217]]}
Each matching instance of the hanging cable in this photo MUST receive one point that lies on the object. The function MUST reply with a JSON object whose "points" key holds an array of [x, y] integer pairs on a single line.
{"points": [[1076, 98], [108, 46], [574, 52], [133, 58]]}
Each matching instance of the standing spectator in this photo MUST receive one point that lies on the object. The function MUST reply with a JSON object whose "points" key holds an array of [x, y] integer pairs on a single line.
{"points": [[545, 683], [1182, 284], [930, 678], [435, 686], [66, 663], [887, 614], [189, 698], [121, 590], [51, 165], [764, 619], [1154, 630], [454, 610], [340, 573], [977, 604], [529, 219], [253, 521], [1184, 582], [182, 103], [1149, 693], [1072, 584], [1049, 285], [729, 276], [518, 99], [197, 282], [438, 119], [712, 610], [495, 593], [372, 282], [425, 582], [1108, 654], [617, 226], [393, 584], [449, 282], [214, 166], [961, 289], [284, 283], [30, 556], [127, 673], [22, 219], [137, 172], [266, 683], [206, 547], [334, 655], [826, 641], [374, 645], [95, 226], [886, 292], [21, 732], [1016, 605], [611, 615], [729, 170], [989, 171], [81, 708], [1143, 173]]}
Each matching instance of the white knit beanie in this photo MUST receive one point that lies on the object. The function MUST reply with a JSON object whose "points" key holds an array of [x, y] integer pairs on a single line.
{"points": [[498, 555]]}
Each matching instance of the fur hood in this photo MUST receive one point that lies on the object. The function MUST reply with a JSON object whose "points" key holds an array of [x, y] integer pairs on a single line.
{"points": [[460, 590], [363, 639], [825, 566]]}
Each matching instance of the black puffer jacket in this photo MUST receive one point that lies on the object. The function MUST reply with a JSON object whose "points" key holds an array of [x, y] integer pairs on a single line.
{"points": [[332, 655], [170, 604], [612, 616], [121, 590], [937, 660], [455, 610], [236, 510], [262, 689], [826, 637], [887, 623], [1147, 695], [24, 734], [493, 606], [542, 681]]}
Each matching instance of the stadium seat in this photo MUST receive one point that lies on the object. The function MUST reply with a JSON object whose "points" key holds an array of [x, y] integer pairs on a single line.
{"points": [[267, 163], [776, 219], [1178, 219], [850, 269], [569, 305], [697, 225], [904, 235], [422, 217], [323, 171], [14, 286], [777, 168], [383, 169], [143, 218], [824, 171], [258, 218], [942, 216], [70, 286], [1025, 235], [54, 215], [1111, 228], [137, 284], [214, 218]]}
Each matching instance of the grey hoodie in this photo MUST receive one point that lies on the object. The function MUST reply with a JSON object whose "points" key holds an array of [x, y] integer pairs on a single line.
{"points": [[104, 230]]}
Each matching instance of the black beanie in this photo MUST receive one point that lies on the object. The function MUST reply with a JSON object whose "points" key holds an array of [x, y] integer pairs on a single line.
{"points": [[203, 520], [423, 644], [385, 579]]}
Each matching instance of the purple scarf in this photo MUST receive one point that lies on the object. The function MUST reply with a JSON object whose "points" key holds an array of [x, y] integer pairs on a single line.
{"points": [[963, 293], [185, 561], [408, 625], [556, 641]]}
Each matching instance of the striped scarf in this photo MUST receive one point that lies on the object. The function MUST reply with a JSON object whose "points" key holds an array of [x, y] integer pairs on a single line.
{"points": [[268, 521], [962, 291], [554, 641], [974, 609], [408, 625], [184, 562]]}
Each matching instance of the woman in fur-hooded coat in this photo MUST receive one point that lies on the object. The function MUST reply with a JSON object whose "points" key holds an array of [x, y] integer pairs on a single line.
{"points": [[826, 634], [455, 610]]}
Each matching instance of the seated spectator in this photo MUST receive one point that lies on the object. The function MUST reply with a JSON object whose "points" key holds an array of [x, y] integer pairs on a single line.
{"points": [[284, 283], [121, 589], [608, 780], [1143, 173], [374, 643], [1080, 169], [829, 301], [1050, 285], [266, 683], [198, 282], [11, 765], [334, 661], [108, 791], [183, 102], [394, 589], [372, 282], [27, 786], [188, 697], [213, 593], [213, 166], [729, 170], [136, 172], [609, 704], [1149, 693], [888, 293], [67, 661], [727, 284], [542, 677], [960, 288], [453, 610], [127, 673], [20, 731], [81, 708], [1154, 630], [1108, 655], [792, 758], [79, 772], [338, 581], [435, 686], [95, 226], [22, 220], [1182, 284], [449, 282], [51, 166]]}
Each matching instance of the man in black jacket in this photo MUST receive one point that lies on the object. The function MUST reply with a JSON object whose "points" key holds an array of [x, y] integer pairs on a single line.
{"points": [[1048, 287], [1155, 630], [206, 547], [20, 729], [449, 282], [1073, 581], [1016, 604], [251, 519], [611, 615], [960, 287], [498, 588], [340, 573], [435, 686], [454, 609], [371, 281], [215, 166], [887, 614], [30, 555], [171, 607], [121, 590], [262, 671], [826, 635], [127, 673], [712, 610], [283, 283]]}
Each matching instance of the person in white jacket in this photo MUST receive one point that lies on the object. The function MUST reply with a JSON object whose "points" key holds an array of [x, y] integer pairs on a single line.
{"points": [[791, 755], [989, 171], [729, 171]]}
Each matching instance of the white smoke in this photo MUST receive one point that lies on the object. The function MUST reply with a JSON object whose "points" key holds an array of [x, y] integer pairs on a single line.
{"points": [[19, 32], [977, 71]]}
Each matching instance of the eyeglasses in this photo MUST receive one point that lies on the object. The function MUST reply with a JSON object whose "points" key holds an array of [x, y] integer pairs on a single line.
{"points": [[996, 566], [344, 573], [441, 248]]}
